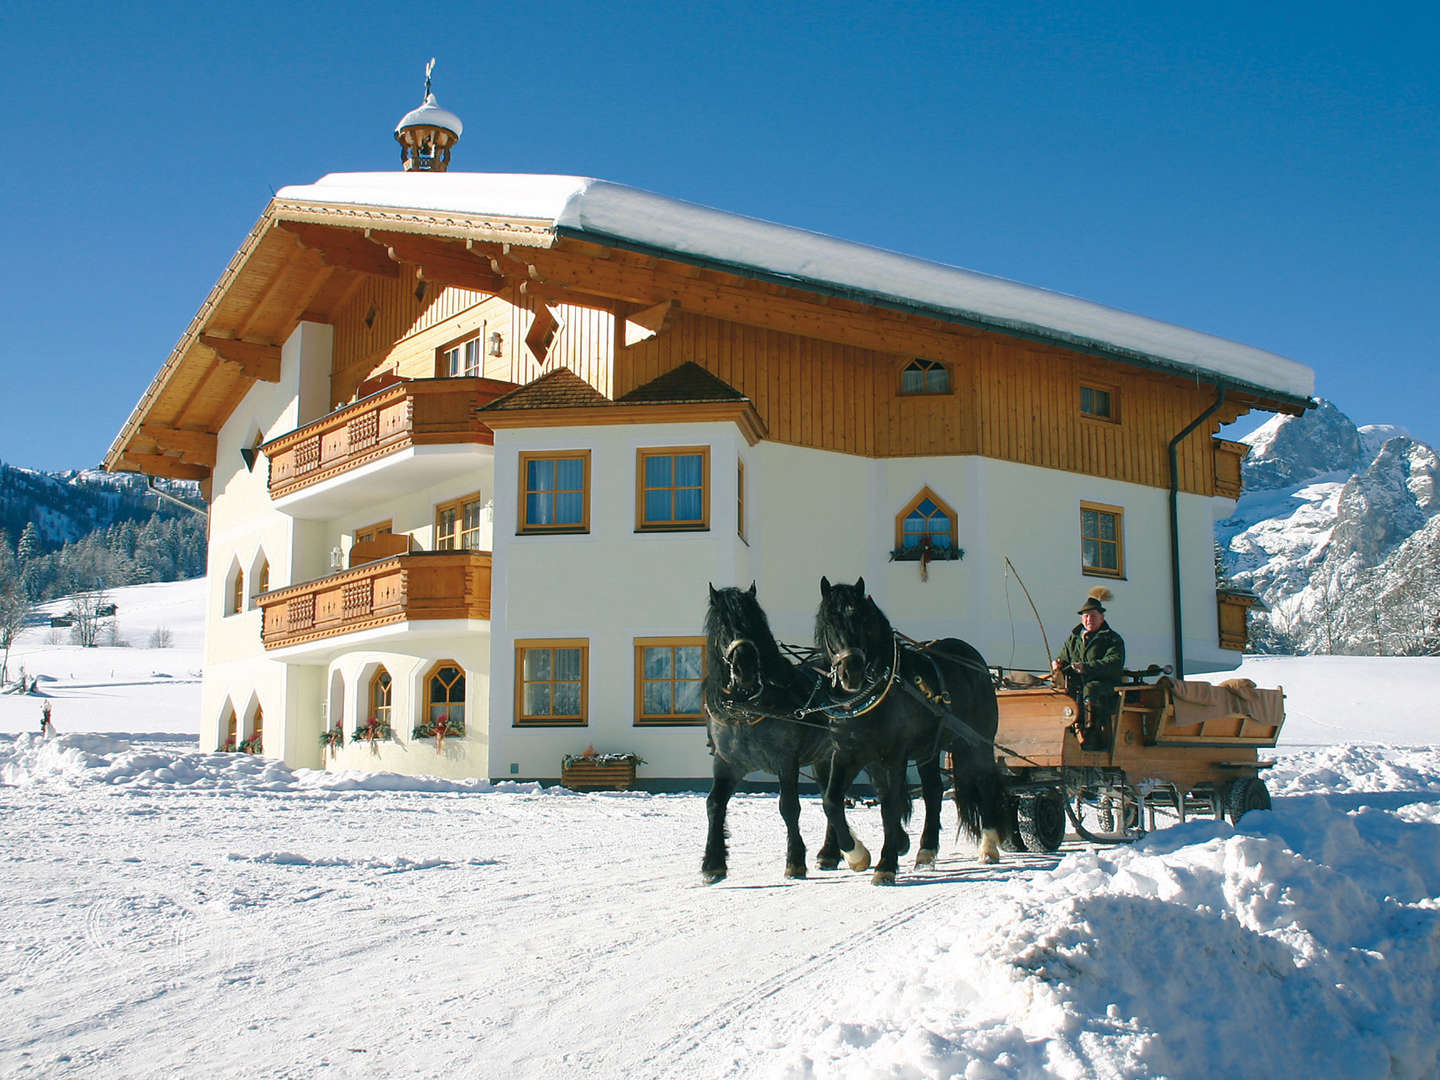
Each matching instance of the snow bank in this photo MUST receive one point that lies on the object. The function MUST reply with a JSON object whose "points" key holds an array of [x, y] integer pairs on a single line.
{"points": [[1306, 943]]}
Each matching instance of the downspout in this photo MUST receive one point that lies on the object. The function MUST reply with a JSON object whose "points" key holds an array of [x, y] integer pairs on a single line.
{"points": [[1179, 629]]}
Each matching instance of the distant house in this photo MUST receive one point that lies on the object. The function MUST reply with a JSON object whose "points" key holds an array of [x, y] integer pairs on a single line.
{"points": [[61, 620], [475, 445], [105, 611]]}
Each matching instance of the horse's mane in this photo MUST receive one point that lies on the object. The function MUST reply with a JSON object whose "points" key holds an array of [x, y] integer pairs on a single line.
{"points": [[869, 624], [732, 613]]}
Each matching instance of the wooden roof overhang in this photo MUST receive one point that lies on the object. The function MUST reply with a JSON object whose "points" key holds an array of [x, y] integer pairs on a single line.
{"points": [[304, 259], [741, 413]]}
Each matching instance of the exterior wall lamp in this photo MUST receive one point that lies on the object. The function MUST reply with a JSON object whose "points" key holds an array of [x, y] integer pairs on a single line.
{"points": [[496, 344]]}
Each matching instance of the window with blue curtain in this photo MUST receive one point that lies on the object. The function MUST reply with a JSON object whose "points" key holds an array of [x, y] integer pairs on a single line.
{"points": [[672, 488]]}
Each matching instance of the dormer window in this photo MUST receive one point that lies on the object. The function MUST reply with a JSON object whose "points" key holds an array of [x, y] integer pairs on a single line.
{"points": [[925, 377]]}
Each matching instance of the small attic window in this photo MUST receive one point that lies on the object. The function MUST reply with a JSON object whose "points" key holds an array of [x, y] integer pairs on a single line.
{"points": [[1098, 403], [925, 377]]}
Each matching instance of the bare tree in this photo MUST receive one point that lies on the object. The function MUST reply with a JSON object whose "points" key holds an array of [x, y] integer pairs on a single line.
{"points": [[14, 611], [87, 611]]}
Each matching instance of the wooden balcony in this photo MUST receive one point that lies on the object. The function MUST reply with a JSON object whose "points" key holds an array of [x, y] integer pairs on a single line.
{"points": [[1228, 458], [415, 413], [401, 588]]}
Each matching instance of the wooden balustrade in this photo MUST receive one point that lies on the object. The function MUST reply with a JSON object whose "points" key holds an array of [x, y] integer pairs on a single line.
{"points": [[417, 412], [420, 585]]}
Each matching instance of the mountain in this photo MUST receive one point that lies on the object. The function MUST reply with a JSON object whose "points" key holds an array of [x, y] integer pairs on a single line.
{"points": [[1337, 533], [68, 506]]}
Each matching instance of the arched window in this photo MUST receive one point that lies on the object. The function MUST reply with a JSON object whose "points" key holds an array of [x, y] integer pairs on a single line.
{"points": [[445, 694], [235, 591], [230, 740], [257, 731], [926, 517], [380, 696], [262, 582]]}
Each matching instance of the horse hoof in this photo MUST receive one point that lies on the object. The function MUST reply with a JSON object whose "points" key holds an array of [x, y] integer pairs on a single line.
{"points": [[795, 871], [827, 863], [990, 846], [858, 857], [883, 877], [710, 877], [925, 857]]}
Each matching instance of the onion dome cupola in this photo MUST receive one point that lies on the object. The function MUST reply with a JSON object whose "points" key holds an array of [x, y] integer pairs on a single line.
{"points": [[425, 134]]}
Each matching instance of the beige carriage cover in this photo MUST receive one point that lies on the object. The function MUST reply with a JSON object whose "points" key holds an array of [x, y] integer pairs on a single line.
{"points": [[1195, 703]]}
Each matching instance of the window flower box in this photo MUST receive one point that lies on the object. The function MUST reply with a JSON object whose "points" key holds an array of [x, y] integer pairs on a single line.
{"points": [[592, 771]]}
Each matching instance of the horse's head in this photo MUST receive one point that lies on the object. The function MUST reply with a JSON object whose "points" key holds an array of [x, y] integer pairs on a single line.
{"points": [[734, 627], [849, 630]]}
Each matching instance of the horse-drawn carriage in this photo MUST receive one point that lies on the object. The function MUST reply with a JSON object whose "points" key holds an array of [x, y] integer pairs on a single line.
{"points": [[867, 697], [1177, 749]]}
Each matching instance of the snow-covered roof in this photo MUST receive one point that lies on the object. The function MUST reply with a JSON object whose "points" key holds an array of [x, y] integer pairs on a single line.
{"points": [[608, 212]]}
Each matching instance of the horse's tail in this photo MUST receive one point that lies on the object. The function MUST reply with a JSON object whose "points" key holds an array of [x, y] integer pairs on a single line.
{"points": [[979, 794]]}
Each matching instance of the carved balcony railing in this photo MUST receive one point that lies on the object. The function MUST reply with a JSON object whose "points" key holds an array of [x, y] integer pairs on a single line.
{"points": [[416, 412], [401, 588], [1228, 458]]}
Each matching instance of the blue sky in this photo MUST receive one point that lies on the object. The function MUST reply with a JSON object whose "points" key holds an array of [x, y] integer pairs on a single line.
{"points": [[1268, 173]]}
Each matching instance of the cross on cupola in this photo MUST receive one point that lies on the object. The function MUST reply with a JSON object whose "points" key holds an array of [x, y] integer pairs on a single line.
{"points": [[426, 134]]}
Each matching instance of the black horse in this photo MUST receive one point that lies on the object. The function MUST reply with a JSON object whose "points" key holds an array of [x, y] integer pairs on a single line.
{"points": [[906, 705], [752, 694]]}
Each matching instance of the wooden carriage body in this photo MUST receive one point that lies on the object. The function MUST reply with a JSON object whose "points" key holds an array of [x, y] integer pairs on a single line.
{"points": [[1178, 747]]}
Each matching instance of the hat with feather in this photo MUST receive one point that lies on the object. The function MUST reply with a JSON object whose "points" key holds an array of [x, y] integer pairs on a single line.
{"points": [[1096, 600]]}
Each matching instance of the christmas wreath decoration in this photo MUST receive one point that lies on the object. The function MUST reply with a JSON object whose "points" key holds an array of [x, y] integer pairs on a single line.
{"points": [[252, 745], [439, 729], [332, 739], [372, 732]]}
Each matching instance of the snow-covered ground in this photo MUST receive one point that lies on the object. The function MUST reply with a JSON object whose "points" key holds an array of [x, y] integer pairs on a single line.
{"points": [[170, 913]]}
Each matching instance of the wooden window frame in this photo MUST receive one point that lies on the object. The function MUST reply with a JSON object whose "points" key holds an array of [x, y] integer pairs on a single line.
{"points": [[526, 528], [372, 707], [940, 504], [644, 454], [458, 506], [257, 722], [442, 354], [1118, 512], [740, 498], [262, 584], [429, 701], [1109, 390], [373, 532], [642, 719], [232, 730], [925, 365], [524, 645]]}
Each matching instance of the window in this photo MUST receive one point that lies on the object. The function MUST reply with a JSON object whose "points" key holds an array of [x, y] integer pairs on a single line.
{"points": [[371, 533], [926, 516], [1098, 402], [263, 584], [551, 685], [236, 600], [445, 695], [555, 492], [925, 377], [457, 524], [257, 727], [463, 358], [668, 672], [740, 499], [673, 488], [231, 734], [1102, 540], [381, 691]]}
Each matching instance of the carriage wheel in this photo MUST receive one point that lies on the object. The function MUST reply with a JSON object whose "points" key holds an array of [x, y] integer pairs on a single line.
{"points": [[1107, 815], [1247, 793], [1041, 816], [1010, 835]]}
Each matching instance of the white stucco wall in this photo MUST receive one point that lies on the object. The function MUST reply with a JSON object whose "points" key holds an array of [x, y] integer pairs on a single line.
{"points": [[811, 513]]}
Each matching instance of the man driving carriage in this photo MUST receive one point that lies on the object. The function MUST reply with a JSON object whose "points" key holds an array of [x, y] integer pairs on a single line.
{"points": [[1090, 666]]}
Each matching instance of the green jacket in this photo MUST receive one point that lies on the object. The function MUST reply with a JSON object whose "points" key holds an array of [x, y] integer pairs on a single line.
{"points": [[1102, 653]]}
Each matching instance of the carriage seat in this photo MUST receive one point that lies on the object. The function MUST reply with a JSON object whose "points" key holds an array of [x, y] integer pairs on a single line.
{"points": [[1234, 710]]}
